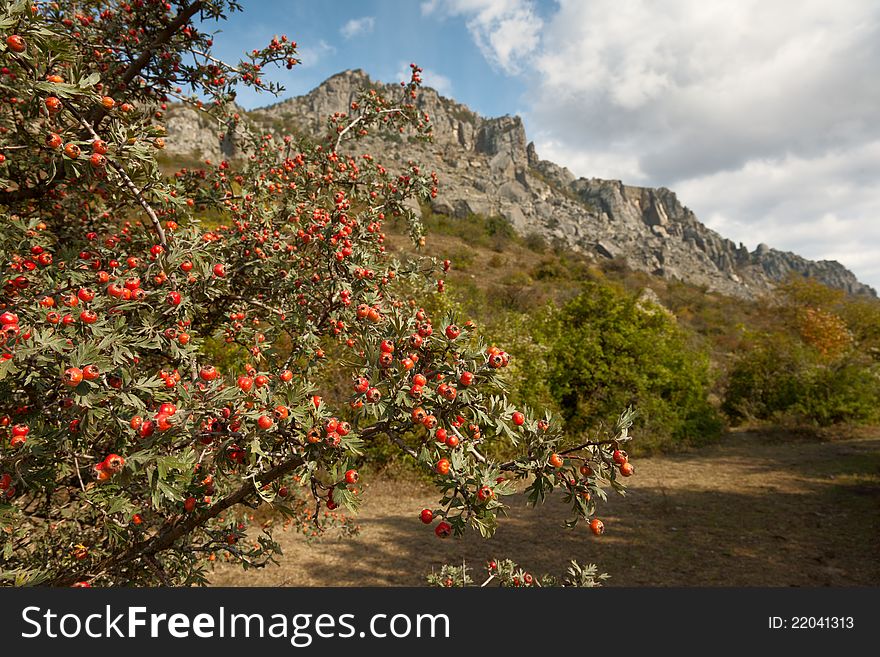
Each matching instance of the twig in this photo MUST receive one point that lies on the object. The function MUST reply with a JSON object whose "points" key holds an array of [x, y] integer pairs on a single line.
{"points": [[358, 120], [151, 560], [127, 181], [78, 476]]}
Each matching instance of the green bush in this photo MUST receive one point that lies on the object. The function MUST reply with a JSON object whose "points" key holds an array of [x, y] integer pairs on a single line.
{"points": [[604, 352], [817, 364], [778, 378]]}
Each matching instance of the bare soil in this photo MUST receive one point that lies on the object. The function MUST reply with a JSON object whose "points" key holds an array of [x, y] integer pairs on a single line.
{"points": [[756, 509]]}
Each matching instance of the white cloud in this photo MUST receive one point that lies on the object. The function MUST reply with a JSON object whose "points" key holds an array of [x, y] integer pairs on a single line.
{"points": [[762, 116], [310, 55], [822, 207], [506, 31], [357, 26]]}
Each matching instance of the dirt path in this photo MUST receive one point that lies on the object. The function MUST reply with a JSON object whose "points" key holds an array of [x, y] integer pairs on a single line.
{"points": [[750, 511]]}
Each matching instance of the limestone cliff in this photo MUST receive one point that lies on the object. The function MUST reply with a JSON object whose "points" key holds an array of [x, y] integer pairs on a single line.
{"points": [[487, 166]]}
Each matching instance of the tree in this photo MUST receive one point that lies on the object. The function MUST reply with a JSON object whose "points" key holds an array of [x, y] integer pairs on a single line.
{"points": [[162, 373], [604, 349]]}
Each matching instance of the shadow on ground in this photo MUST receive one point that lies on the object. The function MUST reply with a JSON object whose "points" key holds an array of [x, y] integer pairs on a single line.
{"points": [[741, 513]]}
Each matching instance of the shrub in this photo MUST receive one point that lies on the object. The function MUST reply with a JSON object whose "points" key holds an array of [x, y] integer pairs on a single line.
{"points": [[604, 351], [817, 365], [780, 378], [160, 376]]}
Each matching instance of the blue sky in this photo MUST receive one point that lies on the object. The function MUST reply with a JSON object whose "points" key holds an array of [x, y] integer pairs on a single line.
{"points": [[762, 116], [380, 36]]}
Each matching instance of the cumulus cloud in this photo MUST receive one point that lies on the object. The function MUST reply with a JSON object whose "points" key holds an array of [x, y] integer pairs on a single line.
{"points": [[761, 115], [310, 54], [506, 31], [357, 26], [698, 87], [821, 207]]}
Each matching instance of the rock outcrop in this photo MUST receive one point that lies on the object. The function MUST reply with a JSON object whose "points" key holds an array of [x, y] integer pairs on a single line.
{"points": [[487, 166]]}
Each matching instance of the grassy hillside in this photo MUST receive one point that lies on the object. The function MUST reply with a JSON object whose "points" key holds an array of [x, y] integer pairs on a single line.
{"points": [[517, 287], [587, 342]]}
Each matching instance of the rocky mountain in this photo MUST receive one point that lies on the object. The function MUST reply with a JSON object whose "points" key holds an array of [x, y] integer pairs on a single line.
{"points": [[487, 166]]}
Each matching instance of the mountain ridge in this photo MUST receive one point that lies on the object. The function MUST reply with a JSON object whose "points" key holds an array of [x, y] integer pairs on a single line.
{"points": [[487, 166]]}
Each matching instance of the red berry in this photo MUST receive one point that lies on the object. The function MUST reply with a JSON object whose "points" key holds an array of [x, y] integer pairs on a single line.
{"points": [[72, 376], [597, 526], [485, 493], [173, 298], [219, 270], [189, 504], [114, 463], [265, 422], [466, 378], [351, 477], [208, 373], [442, 466], [245, 383], [452, 331], [518, 419], [167, 409], [426, 516], [15, 43], [443, 529], [146, 429]]}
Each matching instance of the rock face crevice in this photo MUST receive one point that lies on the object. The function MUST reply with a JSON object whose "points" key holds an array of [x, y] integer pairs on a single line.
{"points": [[487, 166]]}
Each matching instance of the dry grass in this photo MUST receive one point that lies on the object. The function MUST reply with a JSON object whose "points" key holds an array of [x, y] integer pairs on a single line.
{"points": [[754, 510]]}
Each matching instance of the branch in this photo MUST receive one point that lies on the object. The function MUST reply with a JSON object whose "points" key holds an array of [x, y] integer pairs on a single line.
{"points": [[406, 448], [126, 180], [176, 530], [358, 120], [139, 195], [259, 304], [589, 444], [144, 58]]}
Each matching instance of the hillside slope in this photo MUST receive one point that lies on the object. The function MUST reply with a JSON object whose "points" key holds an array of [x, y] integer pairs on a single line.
{"points": [[488, 167]]}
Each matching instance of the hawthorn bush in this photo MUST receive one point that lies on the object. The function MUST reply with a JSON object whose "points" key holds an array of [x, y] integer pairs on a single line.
{"points": [[160, 377]]}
